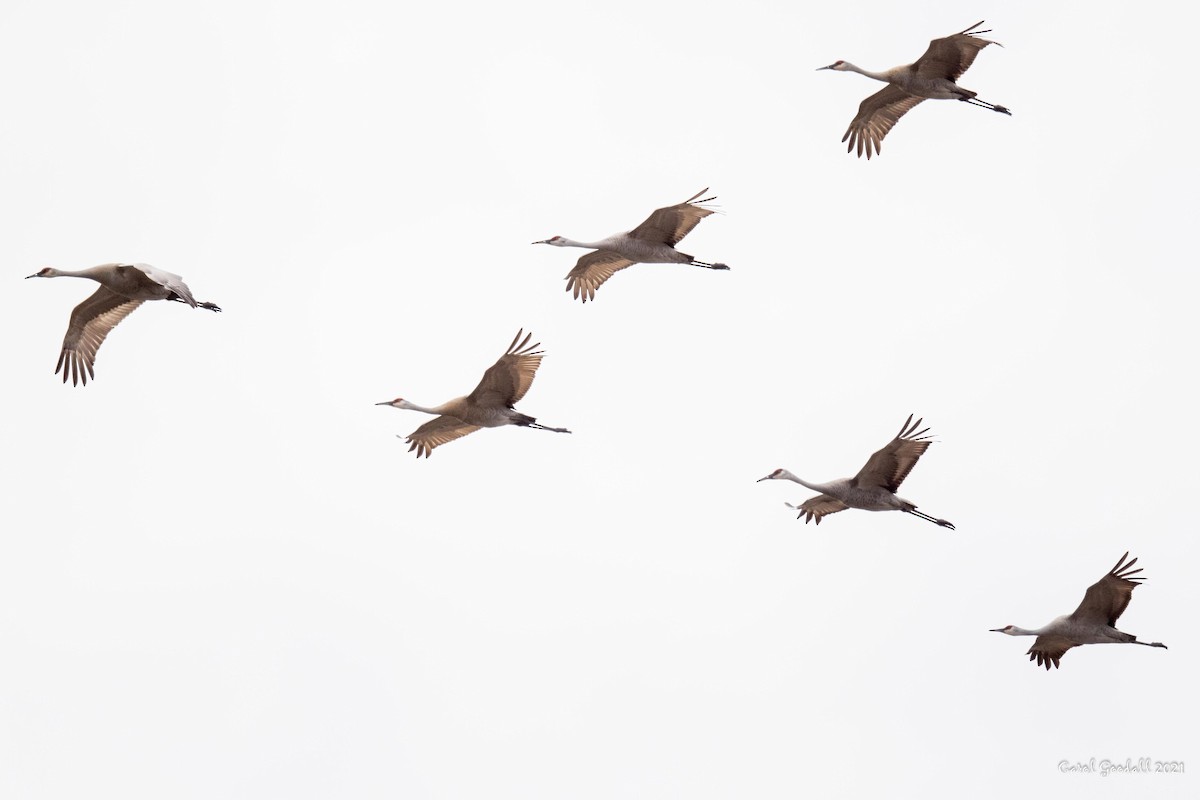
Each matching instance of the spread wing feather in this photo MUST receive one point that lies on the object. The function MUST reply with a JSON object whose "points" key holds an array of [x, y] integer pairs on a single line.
{"points": [[594, 269], [670, 224], [1107, 598], [876, 116], [1048, 650], [951, 56], [90, 323], [818, 507], [507, 381], [888, 467], [438, 431]]}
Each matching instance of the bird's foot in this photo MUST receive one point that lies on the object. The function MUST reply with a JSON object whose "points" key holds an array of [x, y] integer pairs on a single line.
{"points": [[718, 266], [209, 306], [944, 524], [1002, 110]]}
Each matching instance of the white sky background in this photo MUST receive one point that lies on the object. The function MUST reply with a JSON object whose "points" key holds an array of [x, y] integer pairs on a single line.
{"points": [[221, 575]]}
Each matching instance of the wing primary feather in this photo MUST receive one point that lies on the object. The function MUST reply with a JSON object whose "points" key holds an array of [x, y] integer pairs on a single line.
{"points": [[513, 344]]}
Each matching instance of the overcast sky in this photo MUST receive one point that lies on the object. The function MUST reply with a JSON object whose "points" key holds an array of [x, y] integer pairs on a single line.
{"points": [[223, 576]]}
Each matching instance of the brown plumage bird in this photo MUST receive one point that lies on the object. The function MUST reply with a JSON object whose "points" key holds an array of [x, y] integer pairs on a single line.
{"points": [[490, 405], [930, 77], [123, 287], [874, 487], [1094, 622], [652, 242]]}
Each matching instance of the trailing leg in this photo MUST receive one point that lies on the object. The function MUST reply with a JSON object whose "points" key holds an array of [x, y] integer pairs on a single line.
{"points": [[925, 516]]}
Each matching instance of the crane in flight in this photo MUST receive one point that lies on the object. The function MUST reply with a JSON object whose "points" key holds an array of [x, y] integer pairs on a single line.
{"points": [[874, 487], [123, 287], [652, 242], [1094, 622], [490, 405], [930, 77]]}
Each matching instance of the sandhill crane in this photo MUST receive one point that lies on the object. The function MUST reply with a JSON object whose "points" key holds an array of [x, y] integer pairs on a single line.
{"points": [[652, 242], [123, 287], [489, 406], [1094, 622], [874, 487], [932, 76]]}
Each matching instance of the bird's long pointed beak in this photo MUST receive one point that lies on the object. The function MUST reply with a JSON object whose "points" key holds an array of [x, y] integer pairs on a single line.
{"points": [[27, 277], [384, 403], [540, 241], [818, 69], [995, 630], [760, 480]]}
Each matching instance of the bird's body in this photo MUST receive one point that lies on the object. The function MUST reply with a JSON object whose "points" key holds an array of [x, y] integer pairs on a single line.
{"points": [[652, 242], [123, 287], [864, 498], [874, 487], [490, 405], [1094, 622], [931, 77]]}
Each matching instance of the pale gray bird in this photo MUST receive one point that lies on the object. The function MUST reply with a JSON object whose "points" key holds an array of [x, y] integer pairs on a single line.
{"points": [[489, 406], [874, 487], [123, 287], [930, 77], [652, 242], [1094, 622]]}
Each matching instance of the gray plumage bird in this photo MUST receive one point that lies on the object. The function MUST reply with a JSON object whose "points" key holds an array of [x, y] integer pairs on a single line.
{"points": [[652, 242], [123, 287], [490, 405], [874, 487], [933, 76], [1094, 622]]}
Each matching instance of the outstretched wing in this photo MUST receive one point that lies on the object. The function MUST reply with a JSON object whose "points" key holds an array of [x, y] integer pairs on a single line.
{"points": [[818, 507], [1107, 598], [951, 56], [1049, 649], [437, 431], [90, 323], [888, 467], [876, 116], [507, 381], [669, 225], [593, 269]]}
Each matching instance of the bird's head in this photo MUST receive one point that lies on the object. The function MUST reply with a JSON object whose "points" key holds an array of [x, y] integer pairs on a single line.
{"points": [[1011, 630], [557, 241], [44, 272], [779, 474], [399, 402], [840, 66]]}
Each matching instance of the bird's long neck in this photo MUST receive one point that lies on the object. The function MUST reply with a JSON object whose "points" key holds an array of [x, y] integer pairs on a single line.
{"points": [[816, 487], [586, 245], [879, 76], [1023, 632], [90, 272], [436, 410]]}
